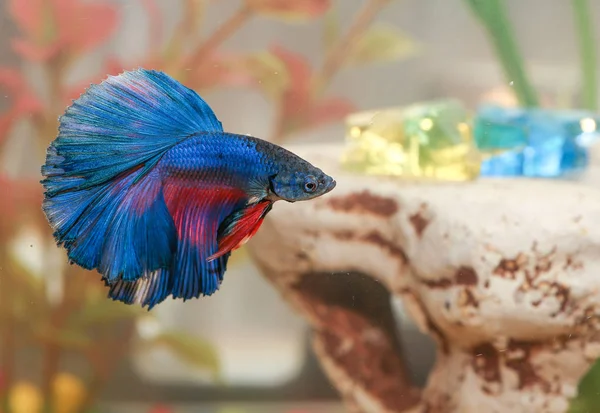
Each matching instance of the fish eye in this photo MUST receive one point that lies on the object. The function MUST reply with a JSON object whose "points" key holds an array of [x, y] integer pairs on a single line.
{"points": [[310, 184]]}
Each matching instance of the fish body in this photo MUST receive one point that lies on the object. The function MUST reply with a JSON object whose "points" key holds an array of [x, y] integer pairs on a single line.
{"points": [[143, 185]]}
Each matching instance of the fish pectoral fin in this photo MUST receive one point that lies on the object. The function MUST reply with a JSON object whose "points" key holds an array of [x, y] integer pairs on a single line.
{"points": [[240, 226]]}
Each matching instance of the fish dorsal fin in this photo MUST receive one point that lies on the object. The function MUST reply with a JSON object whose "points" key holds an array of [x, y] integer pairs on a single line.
{"points": [[240, 226], [124, 122]]}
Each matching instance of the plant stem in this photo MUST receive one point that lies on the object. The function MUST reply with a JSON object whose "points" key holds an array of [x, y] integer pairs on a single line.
{"points": [[186, 30], [587, 52], [224, 31], [340, 51], [334, 59], [495, 20], [55, 70]]}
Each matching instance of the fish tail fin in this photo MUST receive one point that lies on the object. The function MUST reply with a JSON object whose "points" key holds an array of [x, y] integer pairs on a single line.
{"points": [[145, 291], [103, 195]]}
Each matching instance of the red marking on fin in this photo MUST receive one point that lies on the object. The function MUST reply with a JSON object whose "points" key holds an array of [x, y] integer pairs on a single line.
{"points": [[240, 226], [197, 213]]}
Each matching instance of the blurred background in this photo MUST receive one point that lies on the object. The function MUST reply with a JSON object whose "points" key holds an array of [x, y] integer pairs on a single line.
{"points": [[287, 71]]}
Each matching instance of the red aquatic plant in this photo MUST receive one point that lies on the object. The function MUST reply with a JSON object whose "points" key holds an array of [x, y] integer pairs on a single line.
{"points": [[301, 107], [51, 27]]}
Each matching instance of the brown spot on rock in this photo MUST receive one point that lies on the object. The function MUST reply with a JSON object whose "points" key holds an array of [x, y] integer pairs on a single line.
{"points": [[543, 265], [549, 290], [518, 358], [562, 293], [343, 235], [419, 223], [486, 362], [521, 363], [466, 276], [508, 268], [570, 263], [375, 238], [439, 283], [301, 255], [365, 202]]}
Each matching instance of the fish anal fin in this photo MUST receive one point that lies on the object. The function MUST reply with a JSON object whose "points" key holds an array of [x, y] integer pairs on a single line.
{"points": [[197, 213], [240, 226], [148, 290]]}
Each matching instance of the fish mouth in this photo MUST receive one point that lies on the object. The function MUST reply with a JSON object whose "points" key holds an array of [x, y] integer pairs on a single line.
{"points": [[330, 185]]}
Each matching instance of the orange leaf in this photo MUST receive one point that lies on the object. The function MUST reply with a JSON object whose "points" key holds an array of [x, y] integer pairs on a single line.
{"points": [[29, 15], [36, 18], [27, 104], [33, 52], [83, 26], [52, 25], [11, 80]]}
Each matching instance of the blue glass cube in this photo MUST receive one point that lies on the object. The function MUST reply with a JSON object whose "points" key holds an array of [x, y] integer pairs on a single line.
{"points": [[534, 142]]}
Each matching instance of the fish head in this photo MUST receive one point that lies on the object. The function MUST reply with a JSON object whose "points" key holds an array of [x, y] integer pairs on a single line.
{"points": [[300, 183]]}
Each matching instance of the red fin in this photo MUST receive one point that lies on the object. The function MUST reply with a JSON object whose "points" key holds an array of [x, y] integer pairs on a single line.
{"points": [[197, 212], [240, 226]]}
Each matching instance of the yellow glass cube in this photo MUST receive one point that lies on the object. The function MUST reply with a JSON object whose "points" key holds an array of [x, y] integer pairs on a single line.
{"points": [[431, 140]]}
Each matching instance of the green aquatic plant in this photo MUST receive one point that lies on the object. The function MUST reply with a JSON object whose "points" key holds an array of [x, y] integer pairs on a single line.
{"points": [[587, 53], [494, 17]]}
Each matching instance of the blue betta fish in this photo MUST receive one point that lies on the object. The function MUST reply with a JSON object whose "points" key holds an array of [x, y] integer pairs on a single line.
{"points": [[143, 185]]}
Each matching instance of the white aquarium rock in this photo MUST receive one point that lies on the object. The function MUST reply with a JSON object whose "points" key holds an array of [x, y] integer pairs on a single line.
{"points": [[503, 274]]}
